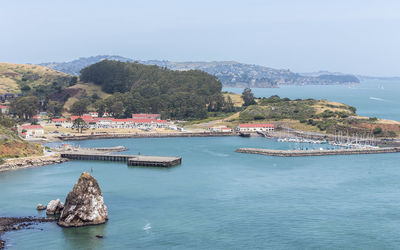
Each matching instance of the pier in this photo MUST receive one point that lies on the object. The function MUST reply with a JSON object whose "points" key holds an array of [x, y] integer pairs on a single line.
{"points": [[299, 153], [131, 160]]}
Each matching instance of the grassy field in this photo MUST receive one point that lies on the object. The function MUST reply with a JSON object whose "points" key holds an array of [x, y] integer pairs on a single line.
{"points": [[14, 76], [323, 105], [86, 89], [236, 99]]}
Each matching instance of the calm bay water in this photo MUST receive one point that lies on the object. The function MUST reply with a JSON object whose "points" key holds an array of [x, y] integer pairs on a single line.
{"points": [[371, 98], [219, 199]]}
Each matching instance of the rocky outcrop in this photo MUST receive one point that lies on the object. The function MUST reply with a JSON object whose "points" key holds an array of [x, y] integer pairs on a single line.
{"points": [[34, 161], [41, 207], [84, 205], [54, 207]]}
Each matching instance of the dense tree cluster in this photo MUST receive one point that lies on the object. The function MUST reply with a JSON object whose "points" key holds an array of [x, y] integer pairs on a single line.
{"points": [[80, 107], [248, 97], [142, 88], [25, 107]]}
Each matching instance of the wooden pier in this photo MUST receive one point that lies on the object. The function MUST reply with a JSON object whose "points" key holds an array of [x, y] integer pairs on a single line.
{"points": [[131, 160], [299, 153]]}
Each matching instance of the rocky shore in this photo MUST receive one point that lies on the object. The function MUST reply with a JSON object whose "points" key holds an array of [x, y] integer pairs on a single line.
{"points": [[27, 162], [17, 223]]}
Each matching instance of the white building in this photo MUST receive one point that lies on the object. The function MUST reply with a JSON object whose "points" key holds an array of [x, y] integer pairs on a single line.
{"points": [[29, 131], [4, 109], [255, 127], [220, 129]]}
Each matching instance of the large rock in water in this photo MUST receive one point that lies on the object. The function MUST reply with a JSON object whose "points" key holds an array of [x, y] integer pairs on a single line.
{"points": [[54, 207], [84, 205]]}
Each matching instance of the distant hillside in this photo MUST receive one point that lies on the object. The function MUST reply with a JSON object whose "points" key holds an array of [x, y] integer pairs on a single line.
{"points": [[230, 73], [74, 67], [15, 78]]}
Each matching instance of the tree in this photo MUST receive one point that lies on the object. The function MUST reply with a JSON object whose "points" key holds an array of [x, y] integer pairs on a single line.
{"points": [[80, 107], [377, 131], [100, 107], [151, 89], [229, 106], [248, 97], [25, 107], [79, 125], [73, 81], [117, 109], [54, 108]]}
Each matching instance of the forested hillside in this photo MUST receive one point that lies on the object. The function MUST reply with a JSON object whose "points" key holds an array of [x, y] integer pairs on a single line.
{"points": [[143, 88]]}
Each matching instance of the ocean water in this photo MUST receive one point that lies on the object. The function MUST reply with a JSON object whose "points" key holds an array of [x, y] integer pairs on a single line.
{"points": [[219, 199], [371, 98]]}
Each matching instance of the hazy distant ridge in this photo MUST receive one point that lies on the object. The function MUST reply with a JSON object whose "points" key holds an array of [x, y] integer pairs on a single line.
{"points": [[230, 73]]}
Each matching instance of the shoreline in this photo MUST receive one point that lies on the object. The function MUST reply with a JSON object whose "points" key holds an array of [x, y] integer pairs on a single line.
{"points": [[30, 162], [18, 223], [143, 135]]}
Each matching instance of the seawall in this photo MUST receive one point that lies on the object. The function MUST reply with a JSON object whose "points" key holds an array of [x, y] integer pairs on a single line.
{"points": [[299, 153], [141, 135]]}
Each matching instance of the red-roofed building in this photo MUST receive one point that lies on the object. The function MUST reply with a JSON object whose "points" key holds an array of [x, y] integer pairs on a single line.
{"points": [[146, 116], [31, 130], [4, 109], [59, 120], [254, 127]]}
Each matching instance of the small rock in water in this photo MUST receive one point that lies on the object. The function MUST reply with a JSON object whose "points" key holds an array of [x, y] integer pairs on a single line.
{"points": [[84, 205], [41, 207], [54, 207]]}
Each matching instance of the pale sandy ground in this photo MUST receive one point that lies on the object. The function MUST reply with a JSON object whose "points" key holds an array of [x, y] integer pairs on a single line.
{"points": [[50, 130]]}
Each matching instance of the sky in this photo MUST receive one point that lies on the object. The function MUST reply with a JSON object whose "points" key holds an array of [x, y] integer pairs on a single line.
{"points": [[351, 36]]}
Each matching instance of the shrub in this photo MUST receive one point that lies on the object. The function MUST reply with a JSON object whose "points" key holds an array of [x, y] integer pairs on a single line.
{"points": [[377, 131]]}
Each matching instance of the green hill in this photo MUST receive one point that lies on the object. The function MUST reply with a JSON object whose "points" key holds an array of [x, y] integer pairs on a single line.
{"points": [[143, 88], [16, 78]]}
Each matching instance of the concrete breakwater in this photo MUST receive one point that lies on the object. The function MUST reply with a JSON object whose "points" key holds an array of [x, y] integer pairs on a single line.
{"points": [[141, 135], [34, 161], [299, 153]]}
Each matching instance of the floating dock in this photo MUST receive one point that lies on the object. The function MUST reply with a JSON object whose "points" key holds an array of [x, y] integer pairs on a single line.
{"points": [[299, 153], [131, 160]]}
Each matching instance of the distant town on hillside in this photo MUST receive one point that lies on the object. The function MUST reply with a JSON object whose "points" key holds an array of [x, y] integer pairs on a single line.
{"points": [[230, 73]]}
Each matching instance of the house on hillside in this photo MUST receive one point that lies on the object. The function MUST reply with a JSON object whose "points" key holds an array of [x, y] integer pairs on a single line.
{"points": [[29, 131], [4, 109], [256, 127]]}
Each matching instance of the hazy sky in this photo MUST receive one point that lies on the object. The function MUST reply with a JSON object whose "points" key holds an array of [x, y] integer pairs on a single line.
{"points": [[302, 35]]}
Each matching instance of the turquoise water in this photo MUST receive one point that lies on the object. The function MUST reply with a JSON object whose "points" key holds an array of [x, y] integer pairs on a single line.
{"points": [[371, 98], [218, 199]]}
